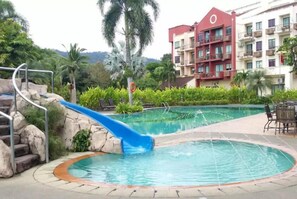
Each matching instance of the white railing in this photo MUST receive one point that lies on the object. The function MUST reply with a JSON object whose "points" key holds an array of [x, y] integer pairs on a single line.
{"points": [[16, 90], [11, 140]]}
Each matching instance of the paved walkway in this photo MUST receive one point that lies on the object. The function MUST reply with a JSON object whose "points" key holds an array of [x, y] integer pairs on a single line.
{"points": [[40, 182]]}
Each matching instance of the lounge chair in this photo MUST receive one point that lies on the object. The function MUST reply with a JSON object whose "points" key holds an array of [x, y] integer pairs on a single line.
{"points": [[104, 107], [270, 118]]}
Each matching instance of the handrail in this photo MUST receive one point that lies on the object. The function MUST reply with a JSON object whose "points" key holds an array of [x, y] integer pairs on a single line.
{"points": [[11, 140], [33, 70], [16, 90]]}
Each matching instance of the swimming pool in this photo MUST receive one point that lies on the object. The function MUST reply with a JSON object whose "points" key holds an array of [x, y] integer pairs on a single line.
{"points": [[212, 162], [162, 121]]}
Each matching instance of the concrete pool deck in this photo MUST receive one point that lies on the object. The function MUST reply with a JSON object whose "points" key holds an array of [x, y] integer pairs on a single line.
{"points": [[40, 182]]}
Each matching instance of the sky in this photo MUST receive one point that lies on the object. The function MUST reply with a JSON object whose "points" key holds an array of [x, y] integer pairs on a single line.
{"points": [[54, 23]]}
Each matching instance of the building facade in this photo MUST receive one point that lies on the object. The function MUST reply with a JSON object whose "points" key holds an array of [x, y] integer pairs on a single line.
{"points": [[206, 50], [260, 33], [246, 38]]}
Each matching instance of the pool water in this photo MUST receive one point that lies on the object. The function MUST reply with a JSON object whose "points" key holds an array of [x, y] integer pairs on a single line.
{"points": [[162, 121], [188, 164]]}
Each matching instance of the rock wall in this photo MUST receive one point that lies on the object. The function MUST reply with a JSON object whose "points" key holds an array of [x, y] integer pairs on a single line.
{"points": [[72, 122]]}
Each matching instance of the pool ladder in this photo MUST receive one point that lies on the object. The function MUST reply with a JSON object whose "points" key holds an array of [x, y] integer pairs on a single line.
{"points": [[166, 105]]}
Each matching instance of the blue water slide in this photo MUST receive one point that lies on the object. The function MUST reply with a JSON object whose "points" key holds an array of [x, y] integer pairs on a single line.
{"points": [[131, 141]]}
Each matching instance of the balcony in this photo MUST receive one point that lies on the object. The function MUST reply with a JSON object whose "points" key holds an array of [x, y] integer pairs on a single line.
{"points": [[189, 62], [245, 37], [210, 76], [246, 55], [295, 26], [270, 31], [283, 29], [270, 52], [189, 47], [227, 38], [227, 56], [216, 39], [200, 59], [258, 54], [258, 33], [199, 43]]}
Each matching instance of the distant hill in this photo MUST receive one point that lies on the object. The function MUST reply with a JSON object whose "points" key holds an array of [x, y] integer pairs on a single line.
{"points": [[99, 56]]}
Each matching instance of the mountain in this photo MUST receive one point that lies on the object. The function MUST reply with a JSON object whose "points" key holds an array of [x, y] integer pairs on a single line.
{"points": [[99, 56]]}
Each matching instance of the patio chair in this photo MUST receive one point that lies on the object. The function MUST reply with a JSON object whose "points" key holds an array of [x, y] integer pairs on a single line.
{"points": [[111, 103], [104, 107], [270, 118], [286, 116]]}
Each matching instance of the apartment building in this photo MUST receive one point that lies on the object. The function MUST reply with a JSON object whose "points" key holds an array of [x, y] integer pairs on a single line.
{"points": [[206, 50], [260, 32], [245, 38], [183, 51]]}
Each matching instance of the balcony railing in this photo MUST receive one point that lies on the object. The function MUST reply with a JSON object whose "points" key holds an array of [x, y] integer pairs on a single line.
{"points": [[258, 33], [245, 36], [214, 75], [245, 55], [270, 31], [258, 54], [227, 56], [284, 28], [227, 38], [270, 52]]}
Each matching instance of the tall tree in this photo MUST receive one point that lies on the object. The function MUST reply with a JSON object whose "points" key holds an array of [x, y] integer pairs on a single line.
{"points": [[241, 78], [166, 72], [116, 65], [258, 81], [289, 50], [15, 45], [7, 11], [73, 62], [137, 23]]}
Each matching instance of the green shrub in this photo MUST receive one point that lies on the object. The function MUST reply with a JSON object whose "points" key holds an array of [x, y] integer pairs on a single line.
{"points": [[55, 114], [126, 108], [81, 141], [91, 97], [56, 147]]}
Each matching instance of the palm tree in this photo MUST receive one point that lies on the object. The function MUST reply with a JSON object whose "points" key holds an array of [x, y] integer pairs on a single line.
{"points": [[116, 65], [166, 72], [137, 23], [258, 81], [241, 78], [73, 61], [7, 11]]}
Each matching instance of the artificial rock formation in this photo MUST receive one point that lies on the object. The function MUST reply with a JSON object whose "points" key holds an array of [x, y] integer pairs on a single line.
{"points": [[36, 139], [5, 165]]}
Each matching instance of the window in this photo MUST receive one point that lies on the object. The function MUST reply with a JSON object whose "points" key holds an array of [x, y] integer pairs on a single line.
{"points": [[271, 62], [249, 48], [258, 64], [206, 69], [228, 49], [271, 23], [249, 65], [207, 36], [219, 51], [249, 30], [177, 59], [271, 44], [218, 34], [200, 37], [207, 54], [192, 70], [228, 30], [259, 25], [228, 67], [259, 46], [177, 44], [277, 87], [200, 69], [286, 22], [200, 53], [219, 68]]}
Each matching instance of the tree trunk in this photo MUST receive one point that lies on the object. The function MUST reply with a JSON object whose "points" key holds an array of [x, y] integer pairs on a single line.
{"points": [[128, 55], [73, 89]]}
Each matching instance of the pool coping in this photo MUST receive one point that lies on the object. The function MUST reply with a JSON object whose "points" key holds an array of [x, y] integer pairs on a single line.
{"points": [[55, 174]]}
